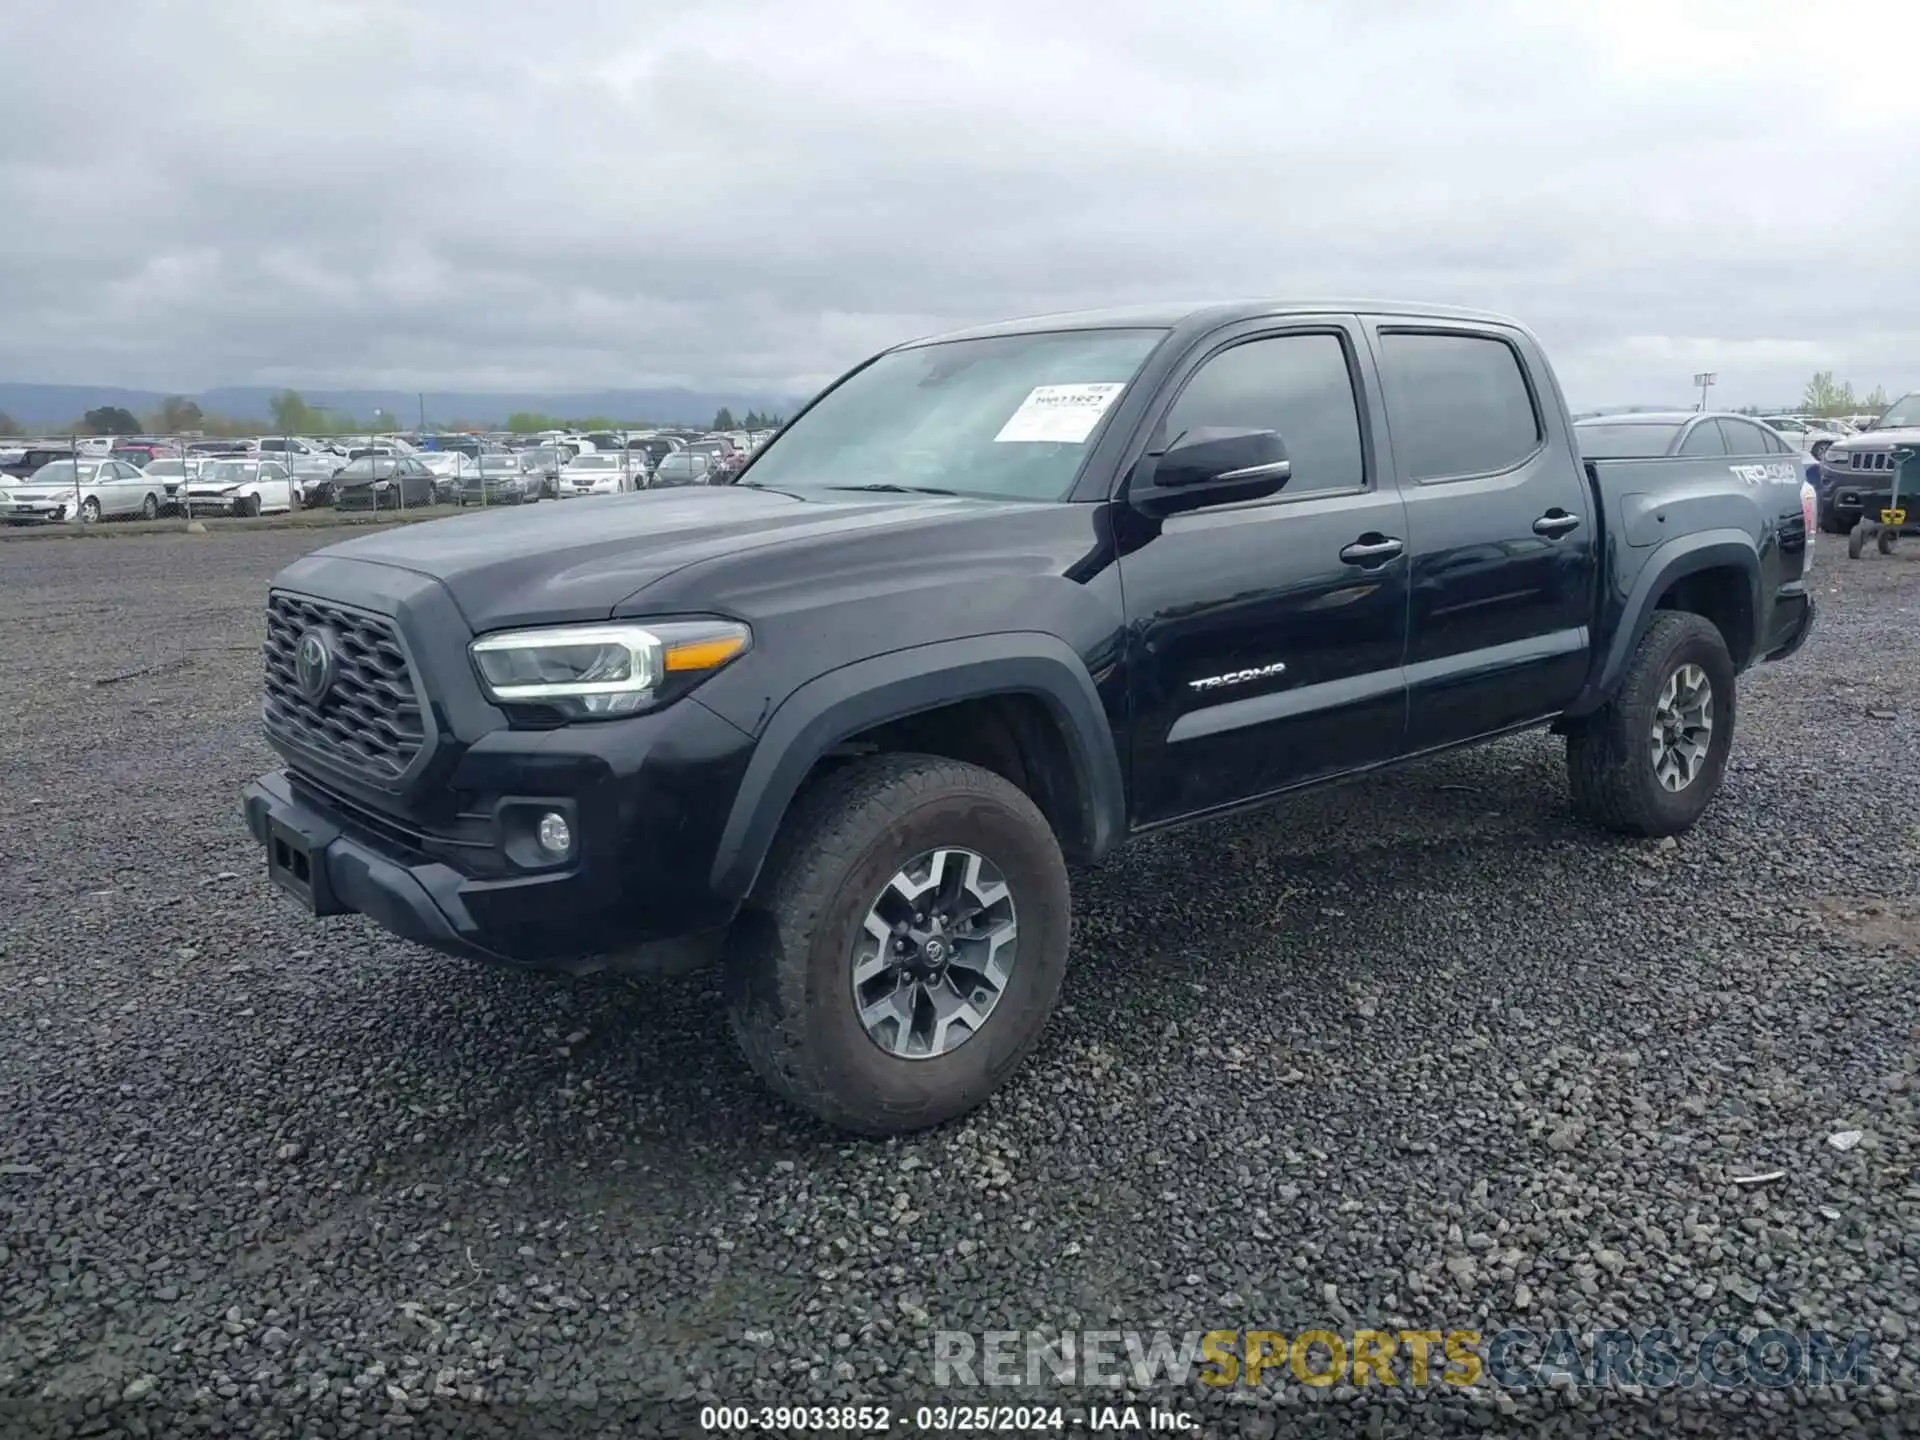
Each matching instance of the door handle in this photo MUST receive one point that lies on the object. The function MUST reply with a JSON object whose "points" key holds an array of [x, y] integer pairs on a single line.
{"points": [[1372, 549], [1555, 523]]}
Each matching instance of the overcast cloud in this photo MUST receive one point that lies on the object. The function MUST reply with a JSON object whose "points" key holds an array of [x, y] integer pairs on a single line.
{"points": [[479, 194]]}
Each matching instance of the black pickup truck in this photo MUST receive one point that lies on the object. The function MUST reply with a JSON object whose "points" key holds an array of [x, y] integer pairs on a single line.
{"points": [[991, 604]]}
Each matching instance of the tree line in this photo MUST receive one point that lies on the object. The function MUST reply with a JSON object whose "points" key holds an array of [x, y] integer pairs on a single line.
{"points": [[291, 414]]}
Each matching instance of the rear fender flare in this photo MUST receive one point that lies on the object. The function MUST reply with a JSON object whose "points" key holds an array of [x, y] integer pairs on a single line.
{"points": [[1682, 556], [867, 693]]}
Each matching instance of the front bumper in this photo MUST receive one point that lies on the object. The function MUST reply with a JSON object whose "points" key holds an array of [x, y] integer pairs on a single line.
{"points": [[38, 512], [646, 798]]}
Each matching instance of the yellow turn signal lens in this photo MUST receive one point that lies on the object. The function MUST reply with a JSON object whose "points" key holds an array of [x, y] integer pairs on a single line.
{"points": [[704, 654]]}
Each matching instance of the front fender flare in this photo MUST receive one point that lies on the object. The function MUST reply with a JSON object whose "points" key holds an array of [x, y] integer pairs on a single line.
{"points": [[887, 687], [1682, 556]]}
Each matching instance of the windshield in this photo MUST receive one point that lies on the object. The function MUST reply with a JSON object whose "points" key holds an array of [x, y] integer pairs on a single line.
{"points": [[1007, 417], [683, 460], [1903, 414], [1623, 441], [594, 462], [228, 472], [165, 468], [363, 468], [60, 472]]}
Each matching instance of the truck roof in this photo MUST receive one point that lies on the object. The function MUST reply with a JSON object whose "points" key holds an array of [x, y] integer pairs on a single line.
{"points": [[1207, 315]]}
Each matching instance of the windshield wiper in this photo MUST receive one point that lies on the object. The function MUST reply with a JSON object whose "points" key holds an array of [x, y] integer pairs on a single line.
{"points": [[889, 488]]}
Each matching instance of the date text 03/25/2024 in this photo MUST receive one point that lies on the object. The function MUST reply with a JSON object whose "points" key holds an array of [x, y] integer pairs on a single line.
{"points": [[960, 1419]]}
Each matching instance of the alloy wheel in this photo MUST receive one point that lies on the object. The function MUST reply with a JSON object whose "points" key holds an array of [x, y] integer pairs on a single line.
{"points": [[934, 954], [1682, 727]]}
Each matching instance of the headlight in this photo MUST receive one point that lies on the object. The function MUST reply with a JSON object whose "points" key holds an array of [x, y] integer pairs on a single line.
{"points": [[603, 671]]}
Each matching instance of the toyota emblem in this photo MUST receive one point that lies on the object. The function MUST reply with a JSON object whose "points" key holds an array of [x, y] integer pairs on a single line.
{"points": [[313, 665]]}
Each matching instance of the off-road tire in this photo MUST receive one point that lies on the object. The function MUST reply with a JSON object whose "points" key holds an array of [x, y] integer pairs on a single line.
{"points": [[1857, 540], [788, 967], [1610, 769], [1889, 537]]}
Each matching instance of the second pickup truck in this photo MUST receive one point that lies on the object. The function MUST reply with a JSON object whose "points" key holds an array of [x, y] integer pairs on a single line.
{"points": [[991, 604]]}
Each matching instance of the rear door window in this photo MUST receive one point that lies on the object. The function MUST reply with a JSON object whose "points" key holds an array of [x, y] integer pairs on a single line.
{"points": [[1743, 438], [1703, 439], [1458, 405]]}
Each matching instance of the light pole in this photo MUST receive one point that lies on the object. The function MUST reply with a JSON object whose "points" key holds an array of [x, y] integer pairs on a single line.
{"points": [[1703, 380]]}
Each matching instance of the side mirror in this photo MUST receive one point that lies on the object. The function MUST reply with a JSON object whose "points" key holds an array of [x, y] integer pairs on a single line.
{"points": [[1214, 465]]}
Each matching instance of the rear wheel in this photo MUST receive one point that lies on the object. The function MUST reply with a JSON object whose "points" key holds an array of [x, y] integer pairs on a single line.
{"points": [[904, 947], [1650, 761]]}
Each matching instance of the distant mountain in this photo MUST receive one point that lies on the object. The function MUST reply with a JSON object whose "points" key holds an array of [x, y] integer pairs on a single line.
{"points": [[40, 406]]}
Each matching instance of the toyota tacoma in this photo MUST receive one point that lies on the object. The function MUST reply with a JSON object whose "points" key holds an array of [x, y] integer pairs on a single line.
{"points": [[993, 603]]}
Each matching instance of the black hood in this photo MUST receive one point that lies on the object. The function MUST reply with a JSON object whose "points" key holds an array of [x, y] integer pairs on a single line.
{"points": [[580, 559]]}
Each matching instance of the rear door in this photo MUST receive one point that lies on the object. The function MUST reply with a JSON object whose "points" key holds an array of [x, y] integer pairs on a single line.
{"points": [[122, 487], [1500, 528], [1265, 639]]}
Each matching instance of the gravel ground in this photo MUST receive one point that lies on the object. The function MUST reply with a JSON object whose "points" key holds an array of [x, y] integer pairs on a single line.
{"points": [[1419, 1053]]}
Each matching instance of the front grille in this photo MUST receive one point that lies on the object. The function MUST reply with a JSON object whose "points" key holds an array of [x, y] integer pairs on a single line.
{"points": [[369, 720], [1870, 460]]}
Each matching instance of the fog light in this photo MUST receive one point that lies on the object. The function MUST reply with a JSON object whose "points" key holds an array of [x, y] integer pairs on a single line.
{"points": [[554, 834]]}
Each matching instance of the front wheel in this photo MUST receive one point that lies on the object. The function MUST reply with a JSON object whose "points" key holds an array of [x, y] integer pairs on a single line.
{"points": [[905, 945], [90, 511], [1889, 537], [150, 507], [247, 506], [1650, 761], [1857, 540]]}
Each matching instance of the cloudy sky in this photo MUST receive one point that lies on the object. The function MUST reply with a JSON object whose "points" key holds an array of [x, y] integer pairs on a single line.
{"points": [[480, 194]]}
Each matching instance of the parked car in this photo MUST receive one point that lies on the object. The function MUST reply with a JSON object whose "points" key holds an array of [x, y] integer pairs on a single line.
{"points": [[1130, 570], [545, 462], [86, 490], [724, 460], [499, 480], [657, 447], [383, 482], [32, 458], [684, 467], [238, 449], [241, 487], [171, 474], [600, 474], [1856, 472], [138, 453]]}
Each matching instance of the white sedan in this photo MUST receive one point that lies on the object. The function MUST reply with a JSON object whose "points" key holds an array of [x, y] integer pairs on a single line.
{"points": [[598, 474], [84, 490], [241, 487], [172, 472]]}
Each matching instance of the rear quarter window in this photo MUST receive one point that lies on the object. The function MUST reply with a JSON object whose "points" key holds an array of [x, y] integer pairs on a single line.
{"points": [[1457, 405]]}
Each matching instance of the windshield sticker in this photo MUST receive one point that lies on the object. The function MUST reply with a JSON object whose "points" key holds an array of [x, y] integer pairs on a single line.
{"points": [[1063, 414], [1761, 474]]}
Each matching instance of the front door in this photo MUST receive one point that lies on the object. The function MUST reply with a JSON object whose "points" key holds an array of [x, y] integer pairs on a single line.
{"points": [[1266, 638]]}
